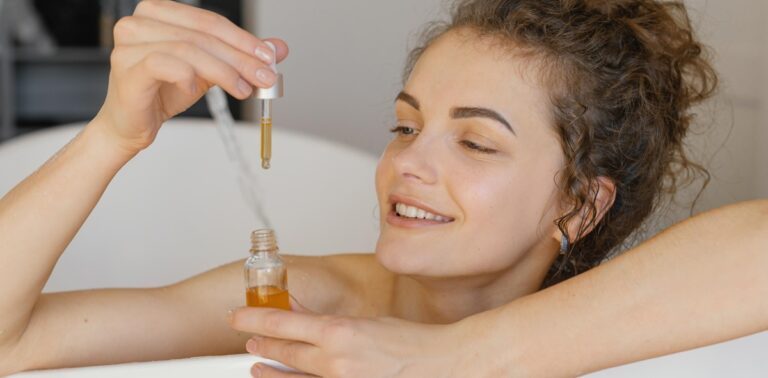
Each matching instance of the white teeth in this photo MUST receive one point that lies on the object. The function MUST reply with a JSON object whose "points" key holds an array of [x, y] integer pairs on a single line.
{"points": [[404, 210]]}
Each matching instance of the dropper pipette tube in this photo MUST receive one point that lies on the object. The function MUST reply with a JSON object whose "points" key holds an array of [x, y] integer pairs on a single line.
{"points": [[266, 133], [266, 95]]}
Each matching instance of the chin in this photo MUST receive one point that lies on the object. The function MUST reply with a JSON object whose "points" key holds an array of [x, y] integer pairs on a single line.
{"points": [[400, 259]]}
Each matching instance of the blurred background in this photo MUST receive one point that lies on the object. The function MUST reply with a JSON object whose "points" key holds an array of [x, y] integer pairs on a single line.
{"points": [[345, 67]]}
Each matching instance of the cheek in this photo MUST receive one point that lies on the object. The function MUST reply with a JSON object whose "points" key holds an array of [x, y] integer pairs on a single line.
{"points": [[495, 205], [508, 213], [483, 191]]}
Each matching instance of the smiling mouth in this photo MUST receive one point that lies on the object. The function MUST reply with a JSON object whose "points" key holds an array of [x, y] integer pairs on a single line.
{"points": [[412, 212]]}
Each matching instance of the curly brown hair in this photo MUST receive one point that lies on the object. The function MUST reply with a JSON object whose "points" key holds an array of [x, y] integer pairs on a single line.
{"points": [[622, 76]]}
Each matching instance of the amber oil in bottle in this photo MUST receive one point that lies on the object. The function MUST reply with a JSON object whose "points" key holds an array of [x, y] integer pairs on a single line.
{"points": [[266, 278]]}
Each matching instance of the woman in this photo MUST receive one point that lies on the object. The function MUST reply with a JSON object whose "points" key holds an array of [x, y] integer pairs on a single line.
{"points": [[532, 137]]}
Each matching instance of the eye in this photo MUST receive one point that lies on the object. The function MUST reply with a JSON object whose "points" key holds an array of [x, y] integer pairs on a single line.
{"points": [[404, 130], [476, 147]]}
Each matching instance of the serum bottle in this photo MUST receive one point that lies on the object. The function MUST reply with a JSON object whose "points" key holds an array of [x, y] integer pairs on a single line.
{"points": [[266, 279]]}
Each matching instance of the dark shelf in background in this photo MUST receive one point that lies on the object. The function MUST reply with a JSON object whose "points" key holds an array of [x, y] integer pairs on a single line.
{"points": [[69, 84], [62, 55]]}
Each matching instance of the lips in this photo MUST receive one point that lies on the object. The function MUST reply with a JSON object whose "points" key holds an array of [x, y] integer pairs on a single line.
{"points": [[409, 212], [414, 212]]}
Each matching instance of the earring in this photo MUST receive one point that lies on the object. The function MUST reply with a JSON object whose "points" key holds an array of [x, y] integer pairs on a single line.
{"points": [[564, 243]]}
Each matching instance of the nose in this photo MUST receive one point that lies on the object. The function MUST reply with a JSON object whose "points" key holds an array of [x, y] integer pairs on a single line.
{"points": [[418, 161]]}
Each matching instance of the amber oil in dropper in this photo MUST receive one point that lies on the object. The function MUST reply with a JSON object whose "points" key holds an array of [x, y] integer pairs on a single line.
{"points": [[266, 134], [266, 95], [266, 278]]}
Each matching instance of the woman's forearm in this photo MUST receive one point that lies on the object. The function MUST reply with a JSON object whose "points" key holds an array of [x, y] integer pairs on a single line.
{"points": [[700, 282], [41, 215]]}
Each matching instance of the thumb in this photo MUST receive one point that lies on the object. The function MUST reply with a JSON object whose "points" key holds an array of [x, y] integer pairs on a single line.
{"points": [[298, 307], [275, 369]]}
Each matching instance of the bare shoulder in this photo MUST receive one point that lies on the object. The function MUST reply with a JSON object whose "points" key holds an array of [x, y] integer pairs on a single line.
{"points": [[353, 284]]}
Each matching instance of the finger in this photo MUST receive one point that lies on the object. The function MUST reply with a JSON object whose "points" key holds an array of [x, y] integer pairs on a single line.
{"points": [[297, 355], [281, 48], [208, 22], [281, 324], [266, 371], [138, 30], [206, 66]]}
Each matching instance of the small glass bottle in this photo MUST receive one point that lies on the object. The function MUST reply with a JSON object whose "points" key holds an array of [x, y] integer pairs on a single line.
{"points": [[266, 278]]}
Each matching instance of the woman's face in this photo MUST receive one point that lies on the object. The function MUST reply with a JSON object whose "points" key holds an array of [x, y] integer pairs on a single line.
{"points": [[467, 185]]}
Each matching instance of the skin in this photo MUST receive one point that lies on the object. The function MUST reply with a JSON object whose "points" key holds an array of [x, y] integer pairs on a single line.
{"points": [[493, 176], [167, 55], [636, 306]]}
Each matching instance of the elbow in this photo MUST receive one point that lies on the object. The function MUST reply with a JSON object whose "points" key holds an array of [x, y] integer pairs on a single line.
{"points": [[759, 224], [764, 209], [8, 365], [10, 358], [762, 240], [762, 204], [763, 233], [751, 217], [762, 220]]}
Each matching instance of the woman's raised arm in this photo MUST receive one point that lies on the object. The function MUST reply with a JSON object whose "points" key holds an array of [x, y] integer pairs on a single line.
{"points": [[700, 282], [166, 57]]}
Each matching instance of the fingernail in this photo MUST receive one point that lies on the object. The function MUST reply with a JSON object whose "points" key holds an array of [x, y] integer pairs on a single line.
{"points": [[244, 87], [230, 315], [250, 346], [265, 54], [256, 371], [266, 76]]}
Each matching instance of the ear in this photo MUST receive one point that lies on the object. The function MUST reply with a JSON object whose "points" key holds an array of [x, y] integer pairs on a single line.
{"points": [[604, 194]]}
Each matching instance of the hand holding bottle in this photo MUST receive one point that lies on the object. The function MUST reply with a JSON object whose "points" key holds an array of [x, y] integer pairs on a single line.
{"points": [[342, 346], [166, 56]]}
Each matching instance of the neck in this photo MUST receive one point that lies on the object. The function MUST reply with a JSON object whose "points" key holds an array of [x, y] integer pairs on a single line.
{"points": [[447, 300]]}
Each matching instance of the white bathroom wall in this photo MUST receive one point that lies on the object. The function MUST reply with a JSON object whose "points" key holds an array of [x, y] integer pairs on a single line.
{"points": [[733, 133], [761, 140], [344, 71]]}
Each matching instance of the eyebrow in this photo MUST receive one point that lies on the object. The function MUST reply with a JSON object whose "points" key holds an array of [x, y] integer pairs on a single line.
{"points": [[461, 112], [472, 112], [408, 99]]}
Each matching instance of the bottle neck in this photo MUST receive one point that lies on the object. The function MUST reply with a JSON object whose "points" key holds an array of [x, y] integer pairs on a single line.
{"points": [[263, 242], [264, 254]]}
